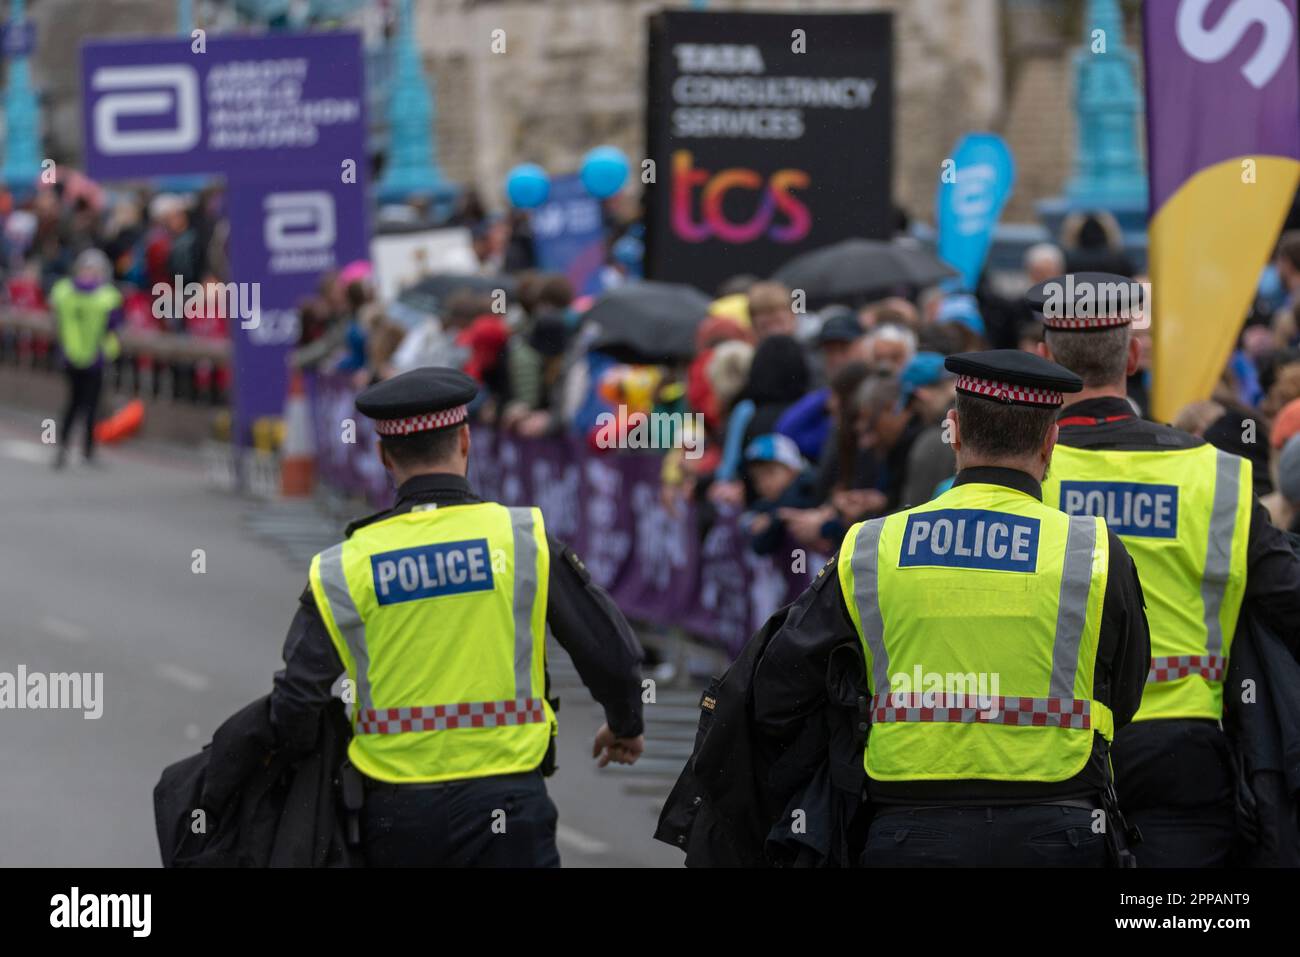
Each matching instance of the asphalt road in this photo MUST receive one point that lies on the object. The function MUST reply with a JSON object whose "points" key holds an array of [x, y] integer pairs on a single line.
{"points": [[99, 573]]}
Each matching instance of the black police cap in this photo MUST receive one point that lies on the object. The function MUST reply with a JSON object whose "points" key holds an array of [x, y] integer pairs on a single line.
{"points": [[422, 400], [1087, 301], [1012, 376]]}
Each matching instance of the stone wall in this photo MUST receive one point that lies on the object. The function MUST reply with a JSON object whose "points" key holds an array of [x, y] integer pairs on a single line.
{"points": [[573, 76]]}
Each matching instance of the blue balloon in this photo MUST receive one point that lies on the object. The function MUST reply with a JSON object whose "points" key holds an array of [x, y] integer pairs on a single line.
{"points": [[604, 171], [527, 186]]}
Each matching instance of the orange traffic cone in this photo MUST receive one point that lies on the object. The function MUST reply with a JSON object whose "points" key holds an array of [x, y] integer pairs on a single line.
{"points": [[121, 424], [297, 455]]}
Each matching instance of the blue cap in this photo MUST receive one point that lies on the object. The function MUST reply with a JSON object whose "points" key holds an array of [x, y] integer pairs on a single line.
{"points": [[962, 309], [925, 368], [775, 447]]}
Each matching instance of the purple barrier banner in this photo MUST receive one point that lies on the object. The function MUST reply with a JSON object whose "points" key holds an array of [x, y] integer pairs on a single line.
{"points": [[606, 506]]}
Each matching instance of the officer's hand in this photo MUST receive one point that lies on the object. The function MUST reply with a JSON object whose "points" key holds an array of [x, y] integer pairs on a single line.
{"points": [[608, 747]]}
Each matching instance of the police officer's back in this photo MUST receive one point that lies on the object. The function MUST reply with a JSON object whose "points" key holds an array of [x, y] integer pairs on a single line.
{"points": [[1004, 643], [1203, 545], [437, 609]]}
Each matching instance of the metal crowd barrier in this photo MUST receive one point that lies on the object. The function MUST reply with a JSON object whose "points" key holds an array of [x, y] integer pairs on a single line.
{"points": [[158, 366]]}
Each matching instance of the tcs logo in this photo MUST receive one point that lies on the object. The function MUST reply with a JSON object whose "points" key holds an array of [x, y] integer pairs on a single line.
{"points": [[776, 196], [169, 94]]}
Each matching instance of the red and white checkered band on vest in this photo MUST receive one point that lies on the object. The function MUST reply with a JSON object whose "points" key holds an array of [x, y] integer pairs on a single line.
{"points": [[973, 709], [1173, 667], [449, 717], [1094, 322], [1007, 391], [422, 423]]}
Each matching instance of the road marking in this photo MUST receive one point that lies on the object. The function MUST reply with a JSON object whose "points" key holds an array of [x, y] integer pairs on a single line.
{"points": [[26, 451], [63, 629], [190, 680], [582, 843]]}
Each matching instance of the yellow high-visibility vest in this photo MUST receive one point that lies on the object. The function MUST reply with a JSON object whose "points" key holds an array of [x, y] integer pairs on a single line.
{"points": [[1184, 516], [439, 616], [980, 614], [82, 319]]}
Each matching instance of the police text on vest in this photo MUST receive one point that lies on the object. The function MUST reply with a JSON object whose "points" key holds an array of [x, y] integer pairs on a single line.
{"points": [[970, 538], [1129, 508], [432, 571]]}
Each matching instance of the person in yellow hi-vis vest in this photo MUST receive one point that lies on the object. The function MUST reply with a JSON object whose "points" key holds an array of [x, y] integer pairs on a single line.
{"points": [[437, 609], [87, 307], [1004, 642], [1204, 547]]}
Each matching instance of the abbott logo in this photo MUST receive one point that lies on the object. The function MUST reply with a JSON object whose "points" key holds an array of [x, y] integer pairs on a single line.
{"points": [[298, 221], [299, 230], [160, 92]]}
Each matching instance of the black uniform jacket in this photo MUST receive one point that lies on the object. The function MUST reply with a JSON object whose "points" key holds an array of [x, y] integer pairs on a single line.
{"points": [[789, 680], [581, 615], [733, 804], [262, 807]]}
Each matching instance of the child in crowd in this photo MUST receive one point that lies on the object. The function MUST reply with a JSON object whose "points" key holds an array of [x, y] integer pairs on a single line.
{"points": [[781, 479]]}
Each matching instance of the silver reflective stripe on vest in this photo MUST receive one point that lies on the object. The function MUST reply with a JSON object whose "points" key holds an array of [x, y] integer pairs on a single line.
{"points": [[1072, 608], [1218, 550], [346, 618], [525, 599], [866, 592]]}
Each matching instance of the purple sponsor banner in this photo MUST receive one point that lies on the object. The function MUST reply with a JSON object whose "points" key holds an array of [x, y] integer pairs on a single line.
{"points": [[1234, 63], [282, 118], [606, 506], [282, 238], [569, 234], [267, 103]]}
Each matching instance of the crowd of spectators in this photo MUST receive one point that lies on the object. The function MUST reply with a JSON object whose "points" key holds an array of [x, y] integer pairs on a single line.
{"points": [[148, 237], [808, 421]]}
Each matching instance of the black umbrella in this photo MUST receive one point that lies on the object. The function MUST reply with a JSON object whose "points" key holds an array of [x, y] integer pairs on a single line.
{"points": [[431, 293], [859, 268], [648, 322]]}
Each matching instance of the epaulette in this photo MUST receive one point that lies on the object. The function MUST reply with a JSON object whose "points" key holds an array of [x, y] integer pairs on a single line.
{"points": [[826, 573]]}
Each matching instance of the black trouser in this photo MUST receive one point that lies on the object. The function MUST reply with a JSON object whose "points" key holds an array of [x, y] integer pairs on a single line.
{"points": [[1024, 835], [1174, 780], [502, 821], [84, 386]]}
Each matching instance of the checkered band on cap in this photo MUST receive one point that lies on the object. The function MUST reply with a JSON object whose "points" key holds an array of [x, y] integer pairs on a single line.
{"points": [[1173, 667], [422, 423], [1084, 325], [896, 706], [449, 717], [1008, 392]]}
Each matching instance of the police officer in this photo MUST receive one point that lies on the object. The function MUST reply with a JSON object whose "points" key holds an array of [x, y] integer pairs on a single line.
{"points": [[1004, 643], [1203, 546], [437, 609]]}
